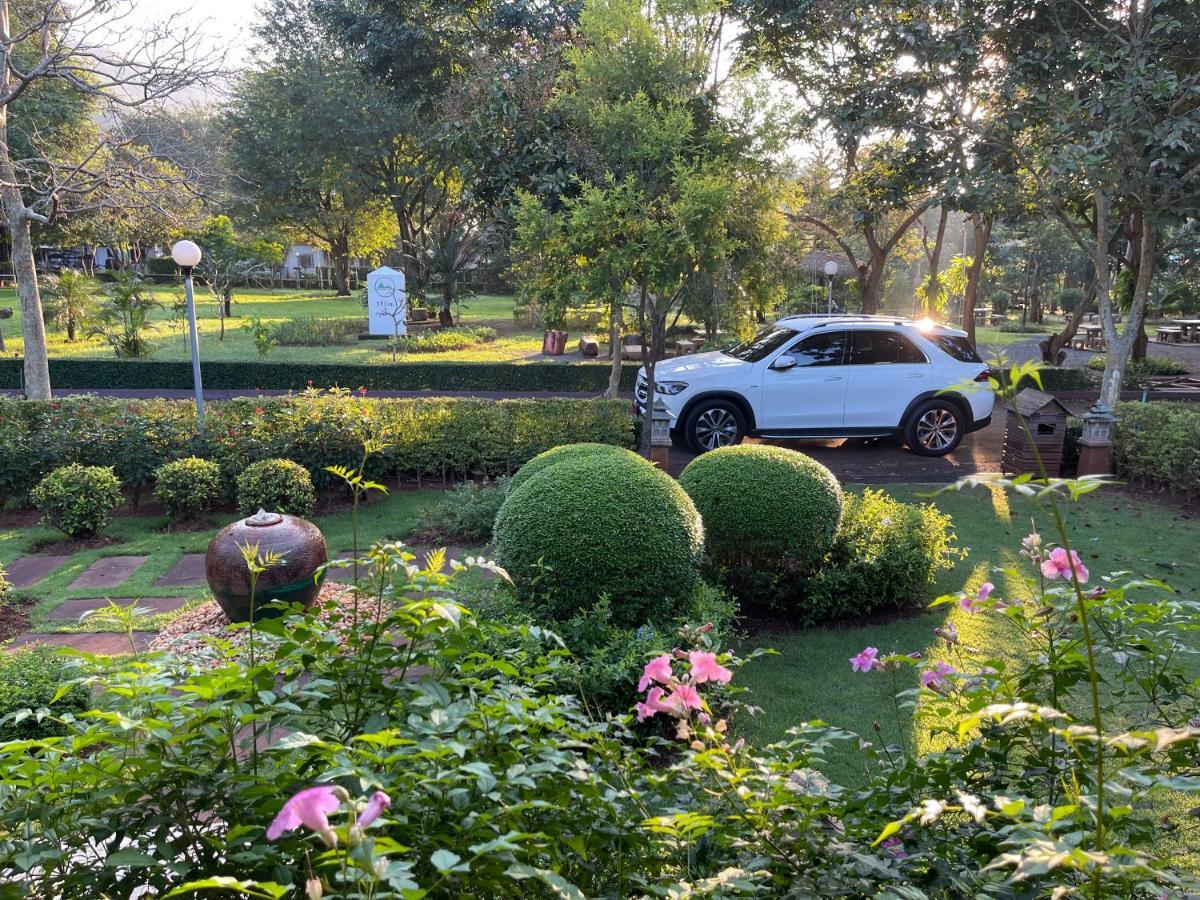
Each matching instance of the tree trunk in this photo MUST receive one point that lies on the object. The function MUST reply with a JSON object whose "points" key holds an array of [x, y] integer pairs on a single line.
{"points": [[1054, 348], [446, 313], [935, 263], [870, 282], [614, 344], [981, 226], [1120, 345], [70, 329]]}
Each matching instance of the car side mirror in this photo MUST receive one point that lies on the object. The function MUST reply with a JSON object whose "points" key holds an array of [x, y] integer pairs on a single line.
{"points": [[783, 363]]}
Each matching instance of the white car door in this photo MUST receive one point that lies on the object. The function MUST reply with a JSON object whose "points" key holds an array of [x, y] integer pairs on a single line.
{"points": [[886, 371], [810, 394]]}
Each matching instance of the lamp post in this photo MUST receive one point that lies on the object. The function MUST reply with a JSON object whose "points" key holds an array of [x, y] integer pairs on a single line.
{"points": [[1095, 444], [187, 256], [831, 269]]}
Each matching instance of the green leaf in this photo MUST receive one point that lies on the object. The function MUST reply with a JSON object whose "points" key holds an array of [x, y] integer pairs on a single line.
{"points": [[444, 861], [256, 889]]}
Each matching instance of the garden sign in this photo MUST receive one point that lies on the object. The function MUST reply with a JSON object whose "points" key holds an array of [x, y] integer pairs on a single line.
{"points": [[387, 304]]}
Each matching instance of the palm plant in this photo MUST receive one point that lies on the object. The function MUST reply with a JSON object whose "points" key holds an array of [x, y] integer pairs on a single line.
{"points": [[124, 319], [71, 298]]}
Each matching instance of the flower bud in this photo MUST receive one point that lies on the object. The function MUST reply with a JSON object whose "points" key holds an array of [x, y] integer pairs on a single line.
{"points": [[679, 654], [354, 836], [312, 889], [381, 867], [706, 627]]}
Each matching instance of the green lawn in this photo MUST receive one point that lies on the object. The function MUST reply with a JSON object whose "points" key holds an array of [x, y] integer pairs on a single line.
{"points": [[393, 517], [273, 305], [811, 677]]}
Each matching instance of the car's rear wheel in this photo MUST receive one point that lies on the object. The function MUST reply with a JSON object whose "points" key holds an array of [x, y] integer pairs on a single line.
{"points": [[714, 423], [935, 428]]}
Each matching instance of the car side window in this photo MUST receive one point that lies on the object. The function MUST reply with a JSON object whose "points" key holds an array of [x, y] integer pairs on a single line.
{"points": [[824, 349], [872, 348]]}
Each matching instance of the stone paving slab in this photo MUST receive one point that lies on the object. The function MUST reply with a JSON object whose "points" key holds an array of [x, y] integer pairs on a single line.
{"points": [[71, 610], [100, 643], [29, 570], [187, 572], [108, 572]]}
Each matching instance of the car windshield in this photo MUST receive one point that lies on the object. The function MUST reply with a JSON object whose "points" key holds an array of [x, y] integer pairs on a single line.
{"points": [[762, 344]]}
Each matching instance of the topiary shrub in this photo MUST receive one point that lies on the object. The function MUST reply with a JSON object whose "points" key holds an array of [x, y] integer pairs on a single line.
{"points": [[600, 525], [29, 679], [77, 500], [567, 451], [770, 516], [188, 488], [276, 485], [886, 555]]}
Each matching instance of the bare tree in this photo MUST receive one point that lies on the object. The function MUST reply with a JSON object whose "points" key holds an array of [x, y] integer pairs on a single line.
{"points": [[95, 49]]}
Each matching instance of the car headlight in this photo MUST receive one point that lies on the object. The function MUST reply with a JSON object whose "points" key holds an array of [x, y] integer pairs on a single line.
{"points": [[670, 388]]}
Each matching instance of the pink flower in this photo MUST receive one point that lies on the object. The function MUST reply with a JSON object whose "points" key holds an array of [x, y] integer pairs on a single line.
{"points": [[375, 806], [934, 678], [683, 698], [866, 660], [658, 669], [705, 668], [652, 706], [311, 808], [969, 603], [1057, 564], [895, 848]]}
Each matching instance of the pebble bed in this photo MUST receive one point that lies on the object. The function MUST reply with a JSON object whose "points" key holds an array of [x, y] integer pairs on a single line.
{"points": [[187, 635]]}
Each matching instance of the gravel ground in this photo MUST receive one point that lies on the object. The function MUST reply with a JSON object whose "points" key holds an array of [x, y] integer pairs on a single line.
{"points": [[189, 634]]}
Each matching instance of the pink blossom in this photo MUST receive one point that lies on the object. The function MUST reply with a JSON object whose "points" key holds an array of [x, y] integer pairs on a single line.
{"points": [[934, 678], [658, 669], [683, 698], [375, 806], [969, 603], [1057, 565], [705, 668], [895, 848], [311, 808], [866, 660], [652, 705]]}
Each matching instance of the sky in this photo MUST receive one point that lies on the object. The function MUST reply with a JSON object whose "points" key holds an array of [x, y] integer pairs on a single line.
{"points": [[225, 23]]}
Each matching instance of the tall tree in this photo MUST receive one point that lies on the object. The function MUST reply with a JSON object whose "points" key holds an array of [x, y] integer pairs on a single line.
{"points": [[298, 163], [90, 55]]}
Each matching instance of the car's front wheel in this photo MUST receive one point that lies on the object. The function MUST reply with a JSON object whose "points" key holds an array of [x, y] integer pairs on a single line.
{"points": [[714, 423], [935, 428]]}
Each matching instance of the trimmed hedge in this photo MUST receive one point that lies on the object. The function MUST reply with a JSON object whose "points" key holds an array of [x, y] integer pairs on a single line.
{"points": [[445, 439], [770, 516], [82, 374], [598, 528], [188, 487], [276, 485], [1159, 443], [78, 500], [563, 452]]}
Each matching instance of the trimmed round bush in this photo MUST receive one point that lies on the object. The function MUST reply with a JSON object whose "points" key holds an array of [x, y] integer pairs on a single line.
{"points": [[564, 452], [187, 487], [600, 525], [276, 485], [770, 515], [77, 500]]}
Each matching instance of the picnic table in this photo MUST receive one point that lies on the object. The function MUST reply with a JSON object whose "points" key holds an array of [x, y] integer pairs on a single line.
{"points": [[1092, 336], [1189, 329]]}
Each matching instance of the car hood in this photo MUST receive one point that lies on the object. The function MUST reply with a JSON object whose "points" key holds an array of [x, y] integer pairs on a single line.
{"points": [[697, 365]]}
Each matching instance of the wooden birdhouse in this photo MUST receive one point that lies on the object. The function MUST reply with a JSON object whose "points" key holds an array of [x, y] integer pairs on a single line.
{"points": [[1046, 419]]}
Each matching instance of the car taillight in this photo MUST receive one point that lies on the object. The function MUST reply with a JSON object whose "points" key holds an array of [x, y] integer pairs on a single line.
{"points": [[984, 375]]}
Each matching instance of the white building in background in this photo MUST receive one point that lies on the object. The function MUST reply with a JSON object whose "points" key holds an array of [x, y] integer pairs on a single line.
{"points": [[305, 259]]}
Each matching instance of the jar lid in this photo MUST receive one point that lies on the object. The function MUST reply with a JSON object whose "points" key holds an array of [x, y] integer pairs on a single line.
{"points": [[262, 519]]}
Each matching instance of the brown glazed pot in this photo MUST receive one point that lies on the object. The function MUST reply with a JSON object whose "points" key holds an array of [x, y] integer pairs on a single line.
{"points": [[297, 540]]}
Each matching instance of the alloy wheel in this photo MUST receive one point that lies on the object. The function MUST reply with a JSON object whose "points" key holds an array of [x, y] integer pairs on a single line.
{"points": [[716, 428], [937, 429]]}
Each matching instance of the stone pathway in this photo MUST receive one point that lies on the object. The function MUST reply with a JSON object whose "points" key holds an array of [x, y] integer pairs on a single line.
{"points": [[188, 572], [29, 570], [109, 573]]}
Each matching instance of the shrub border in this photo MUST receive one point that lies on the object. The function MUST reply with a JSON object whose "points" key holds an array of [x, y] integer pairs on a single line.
{"points": [[222, 375]]}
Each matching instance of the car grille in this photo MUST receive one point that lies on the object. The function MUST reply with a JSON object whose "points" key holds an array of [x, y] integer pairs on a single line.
{"points": [[639, 391]]}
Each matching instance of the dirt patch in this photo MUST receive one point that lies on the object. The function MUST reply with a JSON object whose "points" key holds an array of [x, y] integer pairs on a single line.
{"points": [[14, 618], [189, 527], [20, 518], [74, 545]]}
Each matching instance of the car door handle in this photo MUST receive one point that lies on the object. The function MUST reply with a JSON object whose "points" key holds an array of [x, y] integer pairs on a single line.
{"points": [[917, 375], [833, 377]]}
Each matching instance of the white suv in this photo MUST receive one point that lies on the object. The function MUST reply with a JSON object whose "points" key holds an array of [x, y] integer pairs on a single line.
{"points": [[826, 376]]}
